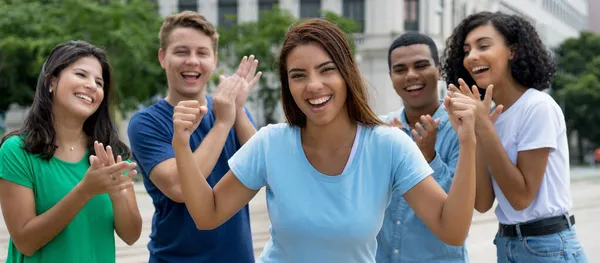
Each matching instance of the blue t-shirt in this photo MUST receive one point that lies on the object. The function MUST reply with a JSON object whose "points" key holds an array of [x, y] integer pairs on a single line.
{"points": [[320, 218], [174, 236]]}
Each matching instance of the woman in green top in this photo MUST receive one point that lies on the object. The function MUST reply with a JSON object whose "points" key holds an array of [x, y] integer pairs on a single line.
{"points": [[61, 192]]}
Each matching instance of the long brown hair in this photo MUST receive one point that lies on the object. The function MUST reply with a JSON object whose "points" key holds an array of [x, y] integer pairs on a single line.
{"points": [[331, 38]]}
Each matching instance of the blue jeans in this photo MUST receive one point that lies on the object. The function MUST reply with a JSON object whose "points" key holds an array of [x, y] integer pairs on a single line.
{"points": [[558, 247]]}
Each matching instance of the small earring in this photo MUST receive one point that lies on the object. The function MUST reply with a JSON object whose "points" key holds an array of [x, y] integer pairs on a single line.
{"points": [[50, 89]]}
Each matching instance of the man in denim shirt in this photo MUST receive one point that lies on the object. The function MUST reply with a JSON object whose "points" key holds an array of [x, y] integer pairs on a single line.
{"points": [[415, 70]]}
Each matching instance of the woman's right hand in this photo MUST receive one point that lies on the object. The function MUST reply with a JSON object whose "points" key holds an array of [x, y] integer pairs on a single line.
{"points": [[105, 178]]}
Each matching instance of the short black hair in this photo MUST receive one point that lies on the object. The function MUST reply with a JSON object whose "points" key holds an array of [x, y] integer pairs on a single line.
{"points": [[532, 65], [414, 38]]}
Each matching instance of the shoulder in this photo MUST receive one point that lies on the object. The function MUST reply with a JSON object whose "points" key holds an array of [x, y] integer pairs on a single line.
{"points": [[390, 116], [14, 141], [384, 135], [13, 148], [277, 131], [539, 101]]}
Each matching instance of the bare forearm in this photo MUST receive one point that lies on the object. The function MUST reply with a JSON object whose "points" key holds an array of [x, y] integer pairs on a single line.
{"points": [[507, 175], [128, 221], [457, 211], [484, 198], [210, 149], [40, 230], [197, 192], [243, 126]]}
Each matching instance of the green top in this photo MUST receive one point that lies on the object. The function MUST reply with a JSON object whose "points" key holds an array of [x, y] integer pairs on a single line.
{"points": [[89, 237]]}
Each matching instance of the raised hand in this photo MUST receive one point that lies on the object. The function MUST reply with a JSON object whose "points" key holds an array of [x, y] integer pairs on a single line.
{"points": [[397, 123], [224, 100], [425, 136], [461, 114], [187, 115], [106, 177], [247, 71], [482, 112]]}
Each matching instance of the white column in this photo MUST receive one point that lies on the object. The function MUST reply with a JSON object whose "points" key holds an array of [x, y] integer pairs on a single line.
{"points": [[332, 5], [292, 5], [247, 10], [208, 8]]}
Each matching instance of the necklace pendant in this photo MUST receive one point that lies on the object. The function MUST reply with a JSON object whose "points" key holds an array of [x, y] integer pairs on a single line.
{"points": [[73, 148]]}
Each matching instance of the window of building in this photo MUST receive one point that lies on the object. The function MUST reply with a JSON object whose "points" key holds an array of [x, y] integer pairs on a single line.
{"points": [[355, 10], [191, 5], [265, 5], [227, 10], [411, 15], [310, 8]]}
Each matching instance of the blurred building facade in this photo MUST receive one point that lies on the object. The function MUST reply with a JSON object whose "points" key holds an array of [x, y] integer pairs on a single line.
{"points": [[383, 20]]}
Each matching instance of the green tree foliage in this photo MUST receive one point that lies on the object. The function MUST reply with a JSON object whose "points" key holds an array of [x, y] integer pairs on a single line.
{"points": [[577, 84], [264, 38], [30, 29]]}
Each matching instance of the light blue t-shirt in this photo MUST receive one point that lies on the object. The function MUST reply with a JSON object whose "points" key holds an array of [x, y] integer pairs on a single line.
{"points": [[319, 218]]}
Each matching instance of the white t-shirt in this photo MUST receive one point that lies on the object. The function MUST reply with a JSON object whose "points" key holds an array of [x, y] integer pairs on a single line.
{"points": [[536, 121]]}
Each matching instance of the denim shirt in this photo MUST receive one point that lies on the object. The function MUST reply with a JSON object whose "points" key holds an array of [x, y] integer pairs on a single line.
{"points": [[404, 237]]}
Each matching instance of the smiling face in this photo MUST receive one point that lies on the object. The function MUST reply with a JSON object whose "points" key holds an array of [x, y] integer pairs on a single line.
{"points": [[316, 84], [487, 56], [415, 76], [189, 60], [78, 90]]}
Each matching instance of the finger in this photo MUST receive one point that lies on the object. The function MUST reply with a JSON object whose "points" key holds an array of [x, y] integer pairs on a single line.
{"points": [[236, 85], [186, 125], [476, 93], [243, 67], [448, 104], [119, 159], [487, 100], [94, 163], [187, 110], [252, 69], [458, 106], [110, 155], [496, 113], [464, 88], [436, 122], [255, 80], [465, 114], [420, 129], [427, 123], [465, 100], [453, 88], [416, 136], [189, 104], [99, 149], [185, 116]]}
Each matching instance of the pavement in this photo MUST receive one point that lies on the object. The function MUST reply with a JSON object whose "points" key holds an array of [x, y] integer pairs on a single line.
{"points": [[586, 199]]}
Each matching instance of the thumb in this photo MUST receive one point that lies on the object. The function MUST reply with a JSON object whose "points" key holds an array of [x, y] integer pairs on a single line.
{"points": [[222, 78], [203, 110], [496, 113], [94, 162]]}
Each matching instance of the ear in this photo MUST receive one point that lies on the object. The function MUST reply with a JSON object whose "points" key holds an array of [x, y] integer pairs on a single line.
{"points": [[513, 51], [439, 69], [53, 83], [161, 57]]}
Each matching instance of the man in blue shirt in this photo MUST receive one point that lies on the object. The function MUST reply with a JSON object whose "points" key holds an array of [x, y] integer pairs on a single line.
{"points": [[188, 54], [415, 70]]}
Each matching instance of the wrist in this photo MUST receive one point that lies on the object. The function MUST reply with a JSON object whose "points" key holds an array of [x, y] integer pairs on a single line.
{"points": [[484, 128], [81, 192], [430, 156]]}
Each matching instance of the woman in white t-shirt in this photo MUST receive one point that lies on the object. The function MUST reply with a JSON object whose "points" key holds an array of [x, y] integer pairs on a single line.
{"points": [[522, 155]]}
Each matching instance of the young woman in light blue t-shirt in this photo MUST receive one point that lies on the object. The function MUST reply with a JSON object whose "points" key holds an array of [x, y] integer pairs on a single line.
{"points": [[329, 172]]}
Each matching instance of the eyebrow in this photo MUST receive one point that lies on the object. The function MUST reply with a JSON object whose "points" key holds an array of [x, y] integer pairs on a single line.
{"points": [[87, 72], [318, 66], [420, 61], [479, 39]]}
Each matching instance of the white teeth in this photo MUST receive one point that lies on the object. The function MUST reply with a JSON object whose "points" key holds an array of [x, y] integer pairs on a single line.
{"points": [[191, 74], [479, 69], [319, 100], [413, 87], [84, 97]]}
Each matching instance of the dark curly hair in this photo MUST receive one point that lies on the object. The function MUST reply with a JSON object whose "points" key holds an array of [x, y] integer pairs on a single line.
{"points": [[532, 65]]}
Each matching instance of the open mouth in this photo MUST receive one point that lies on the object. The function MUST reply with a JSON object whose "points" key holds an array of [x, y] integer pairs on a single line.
{"points": [[320, 102], [479, 69], [415, 90], [84, 97], [190, 76]]}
